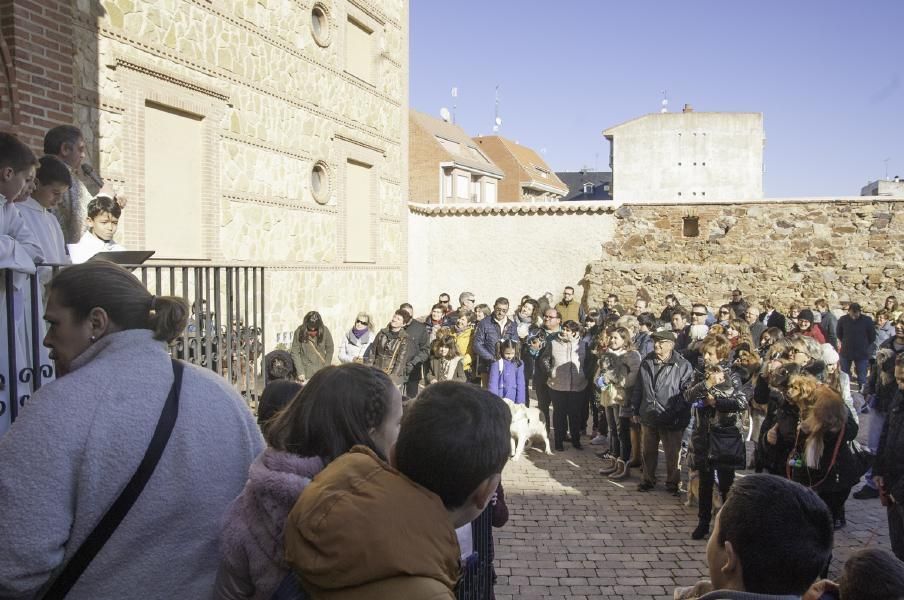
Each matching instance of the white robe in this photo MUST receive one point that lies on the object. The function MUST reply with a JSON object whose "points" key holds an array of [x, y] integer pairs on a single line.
{"points": [[19, 251], [45, 226], [90, 245]]}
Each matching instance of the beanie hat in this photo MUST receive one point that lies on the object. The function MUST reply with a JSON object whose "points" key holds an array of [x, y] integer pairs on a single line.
{"points": [[806, 314]]}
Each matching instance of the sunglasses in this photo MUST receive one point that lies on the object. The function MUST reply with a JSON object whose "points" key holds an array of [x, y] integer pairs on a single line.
{"points": [[360, 321], [699, 314]]}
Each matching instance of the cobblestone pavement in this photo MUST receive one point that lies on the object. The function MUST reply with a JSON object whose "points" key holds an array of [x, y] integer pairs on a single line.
{"points": [[573, 534]]}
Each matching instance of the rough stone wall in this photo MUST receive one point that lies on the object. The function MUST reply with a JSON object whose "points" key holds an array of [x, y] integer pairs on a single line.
{"points": [[274, 101], [791, 251]]}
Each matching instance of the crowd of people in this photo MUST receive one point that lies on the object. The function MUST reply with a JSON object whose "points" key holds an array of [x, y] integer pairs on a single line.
{"points": [[403, 443]]}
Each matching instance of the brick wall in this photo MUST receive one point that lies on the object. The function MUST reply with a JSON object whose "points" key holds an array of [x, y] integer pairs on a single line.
{"points": [[509, 189], [37, 59], [425, 154]]}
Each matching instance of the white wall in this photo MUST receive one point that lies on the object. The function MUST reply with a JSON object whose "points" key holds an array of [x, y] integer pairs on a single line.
{"points": [[496, 251], [720, 156]]}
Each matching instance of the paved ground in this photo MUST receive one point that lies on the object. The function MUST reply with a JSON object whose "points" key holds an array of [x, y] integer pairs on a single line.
{"points": [[573, 534]]}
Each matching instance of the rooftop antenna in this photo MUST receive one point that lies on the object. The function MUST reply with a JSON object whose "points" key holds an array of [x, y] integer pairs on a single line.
{"points": [[454, 102], [665, 102], [886, 167], [497, 120]]}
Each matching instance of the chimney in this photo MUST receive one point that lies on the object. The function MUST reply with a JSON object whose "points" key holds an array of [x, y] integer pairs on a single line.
{"points": [[688, 108]]}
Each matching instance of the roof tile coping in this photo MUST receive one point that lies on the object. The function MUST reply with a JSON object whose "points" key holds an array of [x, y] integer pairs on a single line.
{"points": [[509, 208]]}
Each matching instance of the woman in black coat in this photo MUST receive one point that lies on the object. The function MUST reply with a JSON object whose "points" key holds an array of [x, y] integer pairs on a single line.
{"points": [[718, 403]]}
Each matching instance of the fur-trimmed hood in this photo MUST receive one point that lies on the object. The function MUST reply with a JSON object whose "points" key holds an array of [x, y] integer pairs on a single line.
{"points": [[252, 539]]}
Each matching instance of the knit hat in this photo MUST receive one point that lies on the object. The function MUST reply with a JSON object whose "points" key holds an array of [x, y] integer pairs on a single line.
{"points": [[806, 314], [829, 354]]}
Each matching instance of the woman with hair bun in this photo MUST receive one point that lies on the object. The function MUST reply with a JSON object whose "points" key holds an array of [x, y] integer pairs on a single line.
{"points": [[120, 401]]}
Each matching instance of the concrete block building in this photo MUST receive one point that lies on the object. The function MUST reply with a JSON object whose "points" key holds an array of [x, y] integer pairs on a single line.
{"points": [[687, 156]]}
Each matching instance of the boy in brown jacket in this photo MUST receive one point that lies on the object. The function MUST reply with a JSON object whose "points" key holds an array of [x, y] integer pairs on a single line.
{"points": [[366, 529]]}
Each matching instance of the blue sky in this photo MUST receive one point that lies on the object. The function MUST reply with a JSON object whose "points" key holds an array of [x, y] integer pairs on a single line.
{"points": [[828, 76]]}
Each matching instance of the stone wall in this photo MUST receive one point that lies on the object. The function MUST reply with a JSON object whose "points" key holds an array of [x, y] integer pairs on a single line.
{"points": [[273, 100], [790, 250]]}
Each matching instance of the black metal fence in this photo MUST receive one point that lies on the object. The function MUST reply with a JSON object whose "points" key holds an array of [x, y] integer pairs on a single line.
{"points": [[225, 332]]}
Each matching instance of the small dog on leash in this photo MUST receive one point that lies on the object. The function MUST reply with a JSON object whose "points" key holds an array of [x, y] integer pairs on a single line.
{"points": [[527, 423]]}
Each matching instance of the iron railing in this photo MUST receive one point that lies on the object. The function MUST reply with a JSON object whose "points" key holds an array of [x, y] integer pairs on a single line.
{"points": [[225, 332]]}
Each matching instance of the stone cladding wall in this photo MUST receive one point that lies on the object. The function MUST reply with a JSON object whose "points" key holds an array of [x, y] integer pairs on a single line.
{"points": [[793, 251]]}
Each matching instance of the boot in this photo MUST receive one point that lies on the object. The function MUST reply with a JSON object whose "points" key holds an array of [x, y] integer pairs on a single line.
{"points": [[635, 448], [701, 530], [622, 472]]}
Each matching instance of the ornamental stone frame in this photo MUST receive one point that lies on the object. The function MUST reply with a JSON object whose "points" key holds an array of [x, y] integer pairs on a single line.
{"points": [[141, 84]]}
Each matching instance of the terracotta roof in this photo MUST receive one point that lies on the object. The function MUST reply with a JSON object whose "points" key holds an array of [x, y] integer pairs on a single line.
{"points": [[532, 166], [468, 153]]}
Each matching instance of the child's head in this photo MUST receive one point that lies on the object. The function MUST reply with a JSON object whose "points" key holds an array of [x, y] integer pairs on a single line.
{"points": [[103, 217], [872, 574], [340, 407], [481, 311], [67, 143], [508, 350], [52, 180], [454, 441], [275, 397], [443, 347], [437, 312], [17, 167]]}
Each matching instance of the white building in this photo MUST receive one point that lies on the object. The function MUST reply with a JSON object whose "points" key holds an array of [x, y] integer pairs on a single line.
{"points": [[687, 157], [884, 187]]}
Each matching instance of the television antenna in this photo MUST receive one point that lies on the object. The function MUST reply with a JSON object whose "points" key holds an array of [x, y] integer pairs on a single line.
{"points": [[497, 120], [665, 102], [886, 167], [454, 102]]}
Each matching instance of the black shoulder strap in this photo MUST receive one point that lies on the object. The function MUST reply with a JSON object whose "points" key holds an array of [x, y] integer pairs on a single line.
{"points": [[120, 508]]}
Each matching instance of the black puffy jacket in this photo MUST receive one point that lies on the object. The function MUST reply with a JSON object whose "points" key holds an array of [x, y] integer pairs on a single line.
{"points": [[658, 395], [730, 403]]}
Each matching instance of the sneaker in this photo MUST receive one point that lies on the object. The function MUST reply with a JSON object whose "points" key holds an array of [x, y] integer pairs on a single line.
{"points": [[866, 493], [645, 486], [599, 440], [622, 472]]}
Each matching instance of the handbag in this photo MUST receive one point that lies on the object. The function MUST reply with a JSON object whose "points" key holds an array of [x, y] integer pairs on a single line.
{"points": [[121, 506], [726, 448], [861, 461]]}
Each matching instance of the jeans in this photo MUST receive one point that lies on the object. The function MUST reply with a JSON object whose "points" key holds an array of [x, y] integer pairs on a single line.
{"points": [[862, 365], [566, 406], [614, 441], [671, 445], [707, 480], [624, 438], [876, 422]]}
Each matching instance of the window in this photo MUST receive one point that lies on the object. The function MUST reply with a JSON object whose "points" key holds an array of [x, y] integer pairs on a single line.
{"points": [[543, 172], [320, 25], [447, 185], [490, 192], [588, 188], [462, 183], [691, 227], [449, 145], [320, 183], [359, 51]]}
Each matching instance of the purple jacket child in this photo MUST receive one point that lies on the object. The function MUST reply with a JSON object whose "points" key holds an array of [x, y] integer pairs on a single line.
{"points": [[506, 380]]}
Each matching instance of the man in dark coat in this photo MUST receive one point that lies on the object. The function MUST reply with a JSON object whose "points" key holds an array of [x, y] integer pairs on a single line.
{"points": [[771, 317], [828, 322], [889, 468], [856, 333], [738, 304], [663, 411], [494, 327], [417, 351]]}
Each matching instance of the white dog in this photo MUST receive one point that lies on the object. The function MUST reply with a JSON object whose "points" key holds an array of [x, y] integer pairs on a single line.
{"points": [[527, 423]]}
